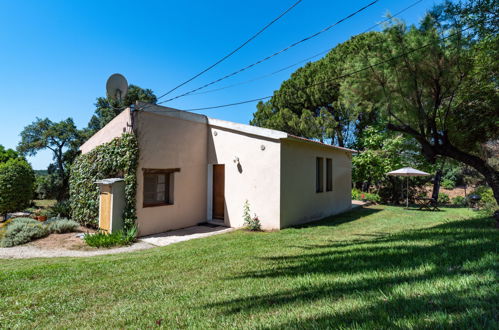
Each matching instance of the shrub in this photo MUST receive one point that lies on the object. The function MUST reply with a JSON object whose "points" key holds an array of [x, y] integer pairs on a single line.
{"points": [[443, 198], [360, 195], [103, 239], [16, 185], [23, 231], [60, 209], [61, 225], [459, 201], [487, 202], [448, 184], [117, 158], [250, 223]]}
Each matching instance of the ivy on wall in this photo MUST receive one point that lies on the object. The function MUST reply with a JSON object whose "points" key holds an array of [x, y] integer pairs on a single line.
{"points": [[115, 159]]}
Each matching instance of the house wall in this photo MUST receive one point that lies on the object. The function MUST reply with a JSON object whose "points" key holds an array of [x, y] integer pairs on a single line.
{"points": [[256, 179], [168, 142], [300, 202], [115, 128]]}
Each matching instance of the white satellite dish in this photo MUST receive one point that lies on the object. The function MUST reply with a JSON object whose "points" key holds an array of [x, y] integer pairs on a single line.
{"points": [[116, 87]]}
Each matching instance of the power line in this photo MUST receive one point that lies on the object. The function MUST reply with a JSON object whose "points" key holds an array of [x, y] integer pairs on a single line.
{"points": [[304, 60], [273, 55], [234, 51], [338, 77]]}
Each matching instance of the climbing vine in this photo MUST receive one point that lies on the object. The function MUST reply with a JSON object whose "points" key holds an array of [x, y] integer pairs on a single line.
{"points": [[117, 158]]}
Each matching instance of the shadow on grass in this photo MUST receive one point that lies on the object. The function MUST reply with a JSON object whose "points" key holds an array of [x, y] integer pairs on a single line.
{"points": [[339, 219], [453, 263]]}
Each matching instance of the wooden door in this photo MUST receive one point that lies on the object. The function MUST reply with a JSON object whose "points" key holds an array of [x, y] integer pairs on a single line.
{"points": [[218, 191], [105, 208]]}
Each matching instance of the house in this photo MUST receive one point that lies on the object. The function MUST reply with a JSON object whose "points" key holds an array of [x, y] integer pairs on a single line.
{"points": [[193, 169]]}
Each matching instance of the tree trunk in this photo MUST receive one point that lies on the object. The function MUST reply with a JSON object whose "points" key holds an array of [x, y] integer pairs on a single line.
{"points": [[445, 148], [436, 185]]}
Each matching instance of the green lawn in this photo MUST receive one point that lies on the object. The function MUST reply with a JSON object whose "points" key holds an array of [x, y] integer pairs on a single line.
{"points": [[371, 268]]}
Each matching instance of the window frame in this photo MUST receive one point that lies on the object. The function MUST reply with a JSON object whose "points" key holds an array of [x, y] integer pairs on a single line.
{"points": [[329, 174], [169, 185], [319, 174]]}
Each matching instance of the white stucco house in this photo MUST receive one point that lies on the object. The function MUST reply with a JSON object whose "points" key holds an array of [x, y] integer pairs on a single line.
{"points": [[194, 169]]}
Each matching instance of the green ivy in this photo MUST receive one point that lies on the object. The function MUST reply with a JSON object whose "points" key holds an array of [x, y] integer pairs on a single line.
{"points": [[117, 158], [16, 185]]}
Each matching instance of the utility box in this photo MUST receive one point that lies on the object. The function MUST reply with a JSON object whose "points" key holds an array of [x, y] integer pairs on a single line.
{"points": [[111, 204]]}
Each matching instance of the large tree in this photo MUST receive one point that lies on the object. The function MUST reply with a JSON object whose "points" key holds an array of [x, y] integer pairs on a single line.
{"points": [[62, 138], [437, 83], [106, 109]]}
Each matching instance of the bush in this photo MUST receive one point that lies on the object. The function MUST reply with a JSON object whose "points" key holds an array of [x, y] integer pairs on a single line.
{"points": [[61, 225], [448, 184], [487, 202], [23, 231], [117, 158], [364, 196], [119, 238], [459, 201], [250, 223], [16, 185], [443, 198], [60, 209]]}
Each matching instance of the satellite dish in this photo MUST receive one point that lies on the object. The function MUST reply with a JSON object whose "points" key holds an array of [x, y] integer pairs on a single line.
{"points": [[116, 87]]}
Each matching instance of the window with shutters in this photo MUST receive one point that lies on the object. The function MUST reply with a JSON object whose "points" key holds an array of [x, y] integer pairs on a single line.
{"points": [[158, 187]]}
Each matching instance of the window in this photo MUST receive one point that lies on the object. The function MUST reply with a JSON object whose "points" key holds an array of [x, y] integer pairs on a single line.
{"points": [[158, 187], [319, 175], [329, 174]]}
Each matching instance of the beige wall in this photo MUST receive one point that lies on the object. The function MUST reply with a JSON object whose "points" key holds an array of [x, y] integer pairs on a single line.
{"points": [[167, 142], [299, 201], [115, 128], [256, 180]]}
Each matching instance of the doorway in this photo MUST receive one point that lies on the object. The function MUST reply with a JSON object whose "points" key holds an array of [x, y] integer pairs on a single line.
{"points": [[218, 192]]}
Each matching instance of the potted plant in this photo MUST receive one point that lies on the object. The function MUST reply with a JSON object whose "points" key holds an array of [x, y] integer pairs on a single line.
{"points": [[42, 215]]}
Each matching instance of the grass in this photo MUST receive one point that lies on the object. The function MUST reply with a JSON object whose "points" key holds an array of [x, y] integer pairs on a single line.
{"points": [[44, 203], [380, 267]]}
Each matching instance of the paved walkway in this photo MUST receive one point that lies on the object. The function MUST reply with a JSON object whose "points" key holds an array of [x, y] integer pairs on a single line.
{"points": [[146, 242], [357, 204], [185, 234]]}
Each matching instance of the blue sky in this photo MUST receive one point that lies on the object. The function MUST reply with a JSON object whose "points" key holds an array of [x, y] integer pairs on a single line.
{"points": [[57, 55]]}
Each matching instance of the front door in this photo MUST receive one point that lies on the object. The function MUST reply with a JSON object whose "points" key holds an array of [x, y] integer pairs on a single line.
{"points": [[218, 191]]}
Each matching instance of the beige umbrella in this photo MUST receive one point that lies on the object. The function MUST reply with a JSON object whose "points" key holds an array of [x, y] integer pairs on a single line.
{"points": [[407, 172]]}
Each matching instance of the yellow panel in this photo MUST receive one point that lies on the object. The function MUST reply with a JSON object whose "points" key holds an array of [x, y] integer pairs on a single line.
{"points": [[105, 209]]}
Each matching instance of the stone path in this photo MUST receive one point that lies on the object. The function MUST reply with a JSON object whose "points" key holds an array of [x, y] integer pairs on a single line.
{"points": [[146, 242]]}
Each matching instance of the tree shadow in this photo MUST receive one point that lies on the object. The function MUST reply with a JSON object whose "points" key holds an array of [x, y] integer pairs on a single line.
{"points": [[451, 251], [336, 220]]}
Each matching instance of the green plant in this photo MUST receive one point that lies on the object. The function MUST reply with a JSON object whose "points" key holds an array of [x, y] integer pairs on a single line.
{"points": [[61, 209], [448, 184], [251, 223], [103, 239], [487, 202], [117, 158], [459, 201], [16, 185], [364, 196], [443, 198], [61, 225], [22, 230]]}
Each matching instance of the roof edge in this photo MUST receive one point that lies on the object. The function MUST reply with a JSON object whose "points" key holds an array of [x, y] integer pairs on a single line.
{"points": [[302, 139]]}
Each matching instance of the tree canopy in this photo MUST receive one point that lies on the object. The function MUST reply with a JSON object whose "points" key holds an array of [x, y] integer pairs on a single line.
{"points": [[106, 109], [435, 83]]}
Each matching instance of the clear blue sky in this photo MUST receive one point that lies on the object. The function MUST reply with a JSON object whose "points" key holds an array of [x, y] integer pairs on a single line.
{"points": [[56, 55]]}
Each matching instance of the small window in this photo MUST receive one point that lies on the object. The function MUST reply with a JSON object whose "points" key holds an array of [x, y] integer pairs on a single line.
{"points": [[158, 187], [329, 174], [319, 175]]}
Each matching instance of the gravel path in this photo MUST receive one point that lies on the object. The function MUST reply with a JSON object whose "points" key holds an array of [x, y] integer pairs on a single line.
{"points": [[29, 251]]}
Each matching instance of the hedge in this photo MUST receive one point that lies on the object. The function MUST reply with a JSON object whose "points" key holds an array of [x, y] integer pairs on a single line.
{"points": [[16, 185], [117, 158]]}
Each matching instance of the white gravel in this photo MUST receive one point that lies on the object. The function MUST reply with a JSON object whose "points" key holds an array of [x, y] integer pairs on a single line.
{"points": [[29, 251]]}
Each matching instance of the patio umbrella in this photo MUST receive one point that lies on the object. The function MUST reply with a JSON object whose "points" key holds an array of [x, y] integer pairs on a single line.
{"points": [[407, 172]]}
